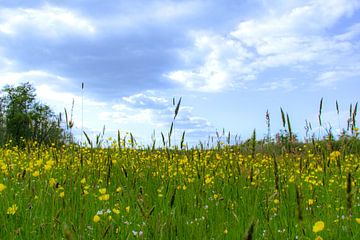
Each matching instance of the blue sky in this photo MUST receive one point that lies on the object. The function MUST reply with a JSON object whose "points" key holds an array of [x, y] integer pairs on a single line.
{"points": [[229, 60]]}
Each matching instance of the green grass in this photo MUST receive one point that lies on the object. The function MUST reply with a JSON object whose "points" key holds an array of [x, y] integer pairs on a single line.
{"points": [[229, 192]]}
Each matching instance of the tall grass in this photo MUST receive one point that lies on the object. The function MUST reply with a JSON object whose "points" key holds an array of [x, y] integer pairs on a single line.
{"points": [[283, 190]]}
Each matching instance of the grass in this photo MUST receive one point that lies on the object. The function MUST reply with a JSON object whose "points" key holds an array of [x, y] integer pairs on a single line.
{"points": [[253, 190]]}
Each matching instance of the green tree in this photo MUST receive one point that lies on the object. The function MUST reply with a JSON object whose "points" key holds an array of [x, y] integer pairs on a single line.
{"points": [[27, 119]]}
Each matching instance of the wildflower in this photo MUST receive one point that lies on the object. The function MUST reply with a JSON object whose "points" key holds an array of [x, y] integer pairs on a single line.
{"points": [[2, 187], [311, 202], [104, 197], [102, 190], [47, 167], [357, 220], [36, 174], [52, 182], [276, 201], [226, 231], [334, 155], [318, 238], [96, 218], [291, 179], [119, 189], [62, 194], [127, 209], [318, 226], [83, 181], [116, 211], [12, 210]]}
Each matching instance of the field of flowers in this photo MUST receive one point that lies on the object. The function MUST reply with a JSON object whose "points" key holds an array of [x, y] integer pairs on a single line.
{"points": [[247, 191]]}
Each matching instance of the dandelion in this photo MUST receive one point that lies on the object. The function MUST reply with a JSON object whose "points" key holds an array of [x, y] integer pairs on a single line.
{"points": [[96, 218], [12, 210], [318, 226], [2, 187]]}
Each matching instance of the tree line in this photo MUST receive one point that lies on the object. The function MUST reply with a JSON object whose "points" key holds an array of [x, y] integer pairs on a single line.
{"points": [[23, 118]]}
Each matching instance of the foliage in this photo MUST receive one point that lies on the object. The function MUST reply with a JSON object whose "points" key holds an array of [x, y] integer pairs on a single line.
{"points": [[23, 118]]}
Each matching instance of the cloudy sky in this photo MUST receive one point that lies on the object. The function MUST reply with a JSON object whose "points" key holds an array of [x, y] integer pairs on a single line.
{"points": [[229, 60]]}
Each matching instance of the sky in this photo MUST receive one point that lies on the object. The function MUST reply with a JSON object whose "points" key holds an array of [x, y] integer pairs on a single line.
{"points": [[230, 61]]}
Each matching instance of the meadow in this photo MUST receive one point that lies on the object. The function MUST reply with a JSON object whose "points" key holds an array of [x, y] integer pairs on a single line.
{"points": [[253, 190]]}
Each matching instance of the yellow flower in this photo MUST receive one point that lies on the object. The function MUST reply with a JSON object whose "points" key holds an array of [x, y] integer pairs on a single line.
{"points": [[2, 187], [291, 179], [318, 226], [104, 197], [96, 218], [83, 181], [226, 231], [62, 194], [357, 220], [276, 201], [311, 202], [52, 182], [102, 190], [36, 174], [116, 211], [47, 167], [334, 155], [127, 209], [12, 210], [119, 189], [318, 238]]}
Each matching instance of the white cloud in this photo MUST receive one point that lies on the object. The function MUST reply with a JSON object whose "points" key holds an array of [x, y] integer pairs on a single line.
{"points": [[155, 114], [329, 78], [286, 84], [352, 32], [296, 35], [48, 21], [223, 61], [33, 76]]}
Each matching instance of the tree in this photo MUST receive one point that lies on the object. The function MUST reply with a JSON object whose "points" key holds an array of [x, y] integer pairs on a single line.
{"points": [[27, 119]]}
